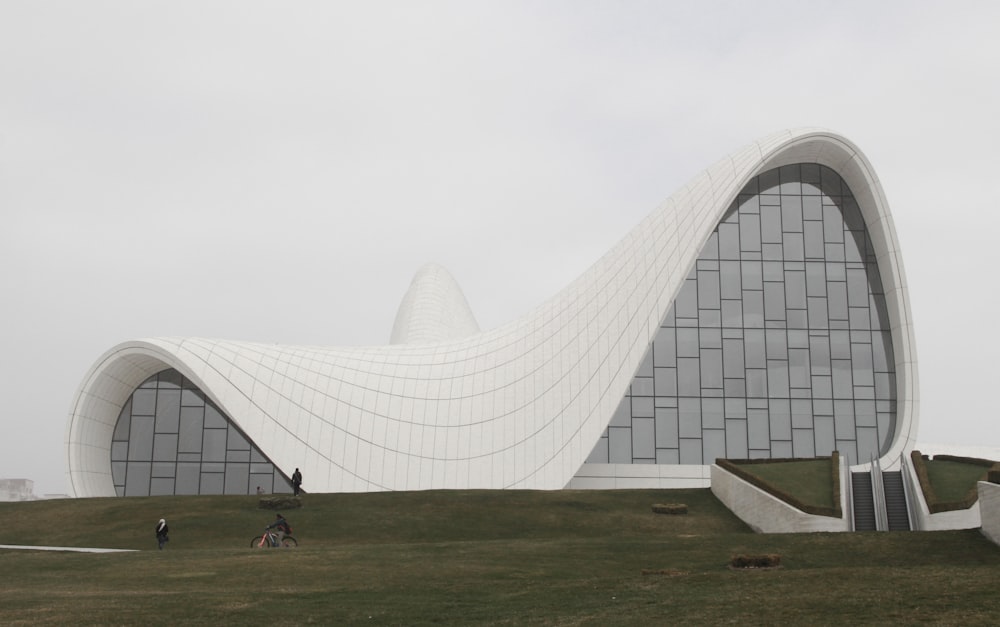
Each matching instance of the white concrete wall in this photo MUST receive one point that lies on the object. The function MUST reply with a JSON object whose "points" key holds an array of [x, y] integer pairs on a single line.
{"points": [[768, 514], [640, 476], [989, 507], [942, 521]]}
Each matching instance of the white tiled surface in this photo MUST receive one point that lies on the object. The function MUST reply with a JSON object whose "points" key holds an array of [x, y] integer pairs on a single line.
{"points": [[434, 309], [519, 406]]}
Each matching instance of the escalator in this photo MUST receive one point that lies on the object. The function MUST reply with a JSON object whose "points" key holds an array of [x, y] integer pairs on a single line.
{"points": [[864, 501], [895, 501]]}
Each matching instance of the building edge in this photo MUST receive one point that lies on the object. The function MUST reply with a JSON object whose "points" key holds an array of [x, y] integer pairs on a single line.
{"points": [[540, 443]]}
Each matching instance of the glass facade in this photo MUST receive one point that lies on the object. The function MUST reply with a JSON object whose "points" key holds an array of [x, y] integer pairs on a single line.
{"points": [[778, 343], [171, 439]]}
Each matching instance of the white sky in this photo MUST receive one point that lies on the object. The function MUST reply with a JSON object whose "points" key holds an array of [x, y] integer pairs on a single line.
{"points": [[276, 172]]}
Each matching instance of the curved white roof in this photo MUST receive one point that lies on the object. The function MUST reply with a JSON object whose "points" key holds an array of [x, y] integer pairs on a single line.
{"points": [[519, 406]]}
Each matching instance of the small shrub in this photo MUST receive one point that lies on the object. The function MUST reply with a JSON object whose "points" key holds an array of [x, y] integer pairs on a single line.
{"points": [[670, 508], [280, 502], [767, 560]]}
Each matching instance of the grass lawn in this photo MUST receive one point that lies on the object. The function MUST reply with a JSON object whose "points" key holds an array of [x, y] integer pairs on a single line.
{"points": [[952, 480], [810, 481], [476, 557]]}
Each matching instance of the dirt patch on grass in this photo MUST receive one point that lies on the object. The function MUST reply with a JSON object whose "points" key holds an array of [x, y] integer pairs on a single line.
{"points": [[664, 572]]}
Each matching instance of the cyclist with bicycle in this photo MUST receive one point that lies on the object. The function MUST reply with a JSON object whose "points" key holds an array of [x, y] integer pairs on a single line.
{"points": [[281, 527]]}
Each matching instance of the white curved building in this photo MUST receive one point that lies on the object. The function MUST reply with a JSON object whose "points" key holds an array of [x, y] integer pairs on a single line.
{"points": [[761, 311]]}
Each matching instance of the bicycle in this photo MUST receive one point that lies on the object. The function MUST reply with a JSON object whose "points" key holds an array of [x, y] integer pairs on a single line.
{"points": [[269, 539]]}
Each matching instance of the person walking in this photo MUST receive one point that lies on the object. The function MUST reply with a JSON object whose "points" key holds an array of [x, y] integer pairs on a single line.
{"points": [[296, 481], [161, 533]]}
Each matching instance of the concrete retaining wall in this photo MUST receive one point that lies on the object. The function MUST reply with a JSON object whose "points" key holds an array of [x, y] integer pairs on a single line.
{"points": [[924, 520], [765, 513], [989, 508]]}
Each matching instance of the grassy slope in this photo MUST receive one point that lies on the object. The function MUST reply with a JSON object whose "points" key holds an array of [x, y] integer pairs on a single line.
{"points": [[953, 480], [810, 481], [476, 558]]}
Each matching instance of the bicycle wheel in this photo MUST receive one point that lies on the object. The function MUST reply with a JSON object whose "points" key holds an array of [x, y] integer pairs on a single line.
{"points": [[289, 542], [259, 543]]}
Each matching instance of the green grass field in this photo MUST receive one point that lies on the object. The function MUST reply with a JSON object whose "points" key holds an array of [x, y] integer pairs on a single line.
{"points": [[477, 557], [953, 480], [810, 481]]}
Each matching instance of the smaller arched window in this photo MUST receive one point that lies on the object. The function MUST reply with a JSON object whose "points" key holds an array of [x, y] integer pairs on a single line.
{"points": [[171, 439]]}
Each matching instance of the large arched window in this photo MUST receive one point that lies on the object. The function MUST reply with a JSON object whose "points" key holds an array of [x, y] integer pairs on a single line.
{"points": [[777, 345]]}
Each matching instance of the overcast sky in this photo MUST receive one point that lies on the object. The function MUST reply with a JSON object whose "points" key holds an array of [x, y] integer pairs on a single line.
{"points": [[276, 172]]}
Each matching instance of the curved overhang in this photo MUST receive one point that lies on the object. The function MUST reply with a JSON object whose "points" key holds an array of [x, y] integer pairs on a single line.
{"points": [[519, 406], [96, 406]]}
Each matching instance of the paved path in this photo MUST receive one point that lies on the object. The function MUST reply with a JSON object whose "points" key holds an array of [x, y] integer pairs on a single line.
{"points": [[76, 549]]}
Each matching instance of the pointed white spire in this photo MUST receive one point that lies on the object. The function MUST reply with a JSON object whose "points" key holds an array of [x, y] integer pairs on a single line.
{"points": [[434, 309]]}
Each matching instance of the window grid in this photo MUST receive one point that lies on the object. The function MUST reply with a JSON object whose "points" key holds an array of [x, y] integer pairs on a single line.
{"points": [[778, 342], [171, 439]]}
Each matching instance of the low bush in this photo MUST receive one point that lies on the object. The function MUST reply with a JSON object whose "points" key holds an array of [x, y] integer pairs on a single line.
{"points": [[766, 560], [670, 508], [993, 476], [975, 461], [280, 502]]}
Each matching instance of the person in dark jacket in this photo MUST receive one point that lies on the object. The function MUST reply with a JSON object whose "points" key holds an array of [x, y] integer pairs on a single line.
{"points": [[161, 533], [281, 527], [296, 481]]}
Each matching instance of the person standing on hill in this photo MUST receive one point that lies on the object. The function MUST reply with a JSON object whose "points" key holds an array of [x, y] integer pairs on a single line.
{"points": [[296, 481], [161, 533]]}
